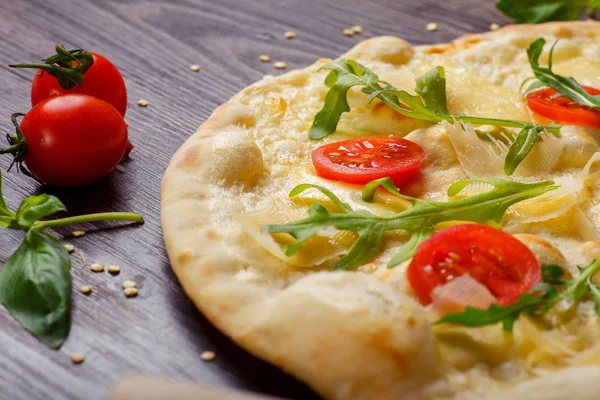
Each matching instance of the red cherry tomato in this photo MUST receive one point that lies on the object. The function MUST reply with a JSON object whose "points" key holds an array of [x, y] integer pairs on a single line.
{"points": [[496, 259], [365, 159], [562, 109], [102, 80], [73, 139]]}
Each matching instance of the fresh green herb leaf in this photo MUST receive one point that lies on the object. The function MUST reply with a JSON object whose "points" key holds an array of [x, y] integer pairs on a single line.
{"points": [[342, 77], [36, 207], [520, 148], [540, 299], [419, 220], [505, 314], [432, 89], [566, 86], [36, 287], [35, 283], [553, 274], [430, 105], [536, 11]]}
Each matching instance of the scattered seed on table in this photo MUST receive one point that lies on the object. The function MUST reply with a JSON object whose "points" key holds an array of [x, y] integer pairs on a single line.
{"points": [[97, 267], [494, 27], [432, 26], [120, 168], [208, 356], [129, 284], [348, 32], [114, 269], [280, 65], [264, 58], [77, 358], [70, 248], [289, 35], [143, 103], [86, 289], [78, 233], [195, 68], [357, 29], [130, 292]]}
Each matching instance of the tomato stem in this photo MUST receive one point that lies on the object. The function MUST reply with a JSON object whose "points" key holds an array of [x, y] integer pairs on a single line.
{"points": [[68, 66], [80, 219]]}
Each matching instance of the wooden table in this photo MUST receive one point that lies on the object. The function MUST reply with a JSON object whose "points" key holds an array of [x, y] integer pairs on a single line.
{"points": [[154, 42]]}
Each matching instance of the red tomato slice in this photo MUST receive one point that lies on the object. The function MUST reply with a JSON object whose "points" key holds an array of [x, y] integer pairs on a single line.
{"points": [[365, 159], [562, 109], [496, 259]]}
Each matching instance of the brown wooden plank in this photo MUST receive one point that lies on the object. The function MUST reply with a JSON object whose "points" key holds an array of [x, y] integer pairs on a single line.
{"points": [[153, 43]]}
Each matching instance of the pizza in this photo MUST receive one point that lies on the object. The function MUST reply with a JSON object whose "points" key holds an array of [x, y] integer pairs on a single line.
{"points": [[406, 222]]}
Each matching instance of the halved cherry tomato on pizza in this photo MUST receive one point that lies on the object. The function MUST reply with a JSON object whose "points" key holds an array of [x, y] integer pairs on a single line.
{"points": [[546, 103], [496, 259], [365, 159]]}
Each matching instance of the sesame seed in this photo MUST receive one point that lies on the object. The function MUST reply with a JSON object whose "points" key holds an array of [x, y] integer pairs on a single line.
{"points": [[86, 289], [195, 68], [143, 103], [208, 356], [130, 292], [289, 35], [77, 358], [280, 65], [357, 29], [97, 267], [120, 168], [494, 27], [264, 58], [78, 233], [129, 284], [348, 32], [114, 269], [432, 26], [70, 248]]}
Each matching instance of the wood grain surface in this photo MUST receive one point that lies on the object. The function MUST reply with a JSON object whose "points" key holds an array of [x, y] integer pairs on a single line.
{"points": [[154, 42]]}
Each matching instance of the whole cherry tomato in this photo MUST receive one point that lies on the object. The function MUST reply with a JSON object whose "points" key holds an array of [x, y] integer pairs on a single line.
{"points": [[70, 140]]}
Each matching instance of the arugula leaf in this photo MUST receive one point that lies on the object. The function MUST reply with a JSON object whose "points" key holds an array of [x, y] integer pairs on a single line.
{"points": [[432, 89], [325, 122], [36, 207], [429, 105], [505, 314], [419, 220], [540, 299], [522, 145], [553, 274], [536, 11], [566, 86], [36, 287]]}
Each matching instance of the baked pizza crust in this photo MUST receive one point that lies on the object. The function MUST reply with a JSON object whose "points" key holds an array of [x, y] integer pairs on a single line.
{"points": [[349, 335]]}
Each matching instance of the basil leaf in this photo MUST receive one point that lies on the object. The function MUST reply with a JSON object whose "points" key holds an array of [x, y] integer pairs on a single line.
{"points": [[419, 220], [536, 11], [35, 286], [566, 86], [3, 208], [432, 89], [37, 207], [505, 314], [520, 148]]}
